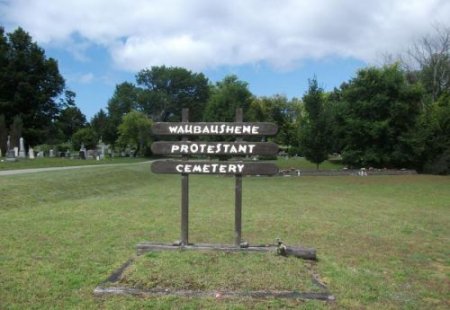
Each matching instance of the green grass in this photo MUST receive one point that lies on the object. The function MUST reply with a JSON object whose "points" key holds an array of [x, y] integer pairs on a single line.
{"points": [[382, 242], [302, 163], [219, 271], [47, 162]]}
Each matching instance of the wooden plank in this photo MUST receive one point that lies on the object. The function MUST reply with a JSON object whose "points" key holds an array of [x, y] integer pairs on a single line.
{"points": [[213, 167], [214, 148], [299, 252], [238, 192], [215, 128], [184, 225]]}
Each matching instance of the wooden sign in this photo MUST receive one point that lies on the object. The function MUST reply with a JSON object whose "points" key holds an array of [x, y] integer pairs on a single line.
{"points": [[214, 148], [215, 128], [213, 167]]}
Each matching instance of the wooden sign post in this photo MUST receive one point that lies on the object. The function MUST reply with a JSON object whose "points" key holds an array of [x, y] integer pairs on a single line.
{"points": [[236, 168]]}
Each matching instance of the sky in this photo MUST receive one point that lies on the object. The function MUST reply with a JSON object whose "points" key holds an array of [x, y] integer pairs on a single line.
{"points": [[273, 45]]}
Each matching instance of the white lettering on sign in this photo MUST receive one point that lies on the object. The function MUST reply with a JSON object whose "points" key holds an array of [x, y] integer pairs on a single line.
{"points": [[210, 168], [203, 148], [214, 129]]}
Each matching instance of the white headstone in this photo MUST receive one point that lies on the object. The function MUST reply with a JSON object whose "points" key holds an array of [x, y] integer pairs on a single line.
{"points": [[22, 153], [16, 151], [31, 153], [51, 153]]}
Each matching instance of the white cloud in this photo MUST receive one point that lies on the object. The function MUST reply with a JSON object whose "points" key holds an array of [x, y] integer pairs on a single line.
{"points": [[86, 78], [199, 34]]}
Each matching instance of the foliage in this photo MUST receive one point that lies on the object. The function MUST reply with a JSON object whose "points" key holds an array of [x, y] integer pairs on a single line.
{"points": [[86, 136], [279, 110], [100, 123], [124, 100], [431, 55], [3, 134], [226, 96], [70, 120], [315, 131], [135, 131], [166, 90], [29, 84], [378, 111], [15, 131], [432, 141]]}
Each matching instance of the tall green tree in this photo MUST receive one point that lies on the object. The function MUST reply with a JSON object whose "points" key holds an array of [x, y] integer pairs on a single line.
{"points": [[315, 132], [29, 85], [166, 90], [377, 112], [3, 135], [279, 110], [431, 140], [100, 124], [123, 101], [135, 132], [226, 96], [85, 136], [69, 121]]}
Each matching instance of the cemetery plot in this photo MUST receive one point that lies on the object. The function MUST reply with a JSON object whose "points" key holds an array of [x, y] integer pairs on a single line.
{"points": [[218, 274]]}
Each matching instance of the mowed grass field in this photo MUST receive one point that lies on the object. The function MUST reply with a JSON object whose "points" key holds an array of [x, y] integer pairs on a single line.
{"points": [[382, 241]]}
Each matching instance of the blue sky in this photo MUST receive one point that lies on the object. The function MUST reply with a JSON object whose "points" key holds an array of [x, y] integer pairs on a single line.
{"points": [[275, 46]]}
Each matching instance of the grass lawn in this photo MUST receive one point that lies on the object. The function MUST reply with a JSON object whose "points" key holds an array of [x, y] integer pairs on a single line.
{"points": [[47, 162], [382, 241]]}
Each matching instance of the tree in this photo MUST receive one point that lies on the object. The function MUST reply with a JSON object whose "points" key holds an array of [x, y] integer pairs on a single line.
{"points": [[100, 123], [70, 120], [279, 110], [377, 112], [124, 100], [431, 139], [15, 131], [315, 132], [29, 85], [166, 90], [431, 56], [85, 136], [135, 132], [226, 96], [3, 135]]}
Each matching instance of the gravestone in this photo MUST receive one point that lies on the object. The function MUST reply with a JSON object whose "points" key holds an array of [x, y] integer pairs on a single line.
{"points": [[40, 154], [51, 153], [10, 153], [82, 152], [22, 153], [31, 153], [16, 152]]}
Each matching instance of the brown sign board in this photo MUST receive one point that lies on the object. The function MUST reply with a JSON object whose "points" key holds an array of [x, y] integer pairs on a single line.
{"points": [[213, 167], [214, 148], [215, 128]]}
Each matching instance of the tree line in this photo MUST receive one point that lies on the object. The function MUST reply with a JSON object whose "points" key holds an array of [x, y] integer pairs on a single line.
{"points": [[392, 116]]}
